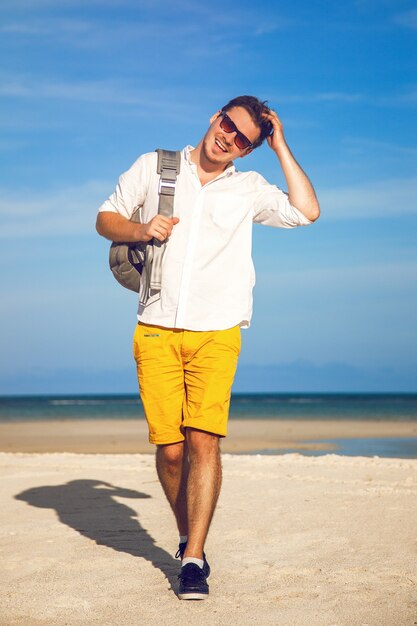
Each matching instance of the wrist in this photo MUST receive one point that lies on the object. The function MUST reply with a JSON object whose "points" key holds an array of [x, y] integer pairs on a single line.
{"points": [[281, 148], [139, 232]]}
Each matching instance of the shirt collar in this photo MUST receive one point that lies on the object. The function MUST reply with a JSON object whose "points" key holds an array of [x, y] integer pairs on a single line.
{"points": [[230, 169]]}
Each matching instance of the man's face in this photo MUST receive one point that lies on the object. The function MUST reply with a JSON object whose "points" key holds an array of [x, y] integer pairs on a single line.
{"points": [[219, 147]]}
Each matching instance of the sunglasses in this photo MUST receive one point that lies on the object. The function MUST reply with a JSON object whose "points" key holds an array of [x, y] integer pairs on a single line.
{"points": [[229, 126]]}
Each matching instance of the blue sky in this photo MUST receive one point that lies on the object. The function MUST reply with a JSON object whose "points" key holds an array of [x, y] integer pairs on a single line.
{"points": [[85, 87]]}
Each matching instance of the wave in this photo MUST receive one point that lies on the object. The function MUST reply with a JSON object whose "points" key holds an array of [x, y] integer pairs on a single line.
{"points": [[105, 402]]}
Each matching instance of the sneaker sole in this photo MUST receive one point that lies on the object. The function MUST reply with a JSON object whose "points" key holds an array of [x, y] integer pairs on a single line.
{"points": [[193, 595]]}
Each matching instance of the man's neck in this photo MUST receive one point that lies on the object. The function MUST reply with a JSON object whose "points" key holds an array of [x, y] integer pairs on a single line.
{"points": [[206, 170]]}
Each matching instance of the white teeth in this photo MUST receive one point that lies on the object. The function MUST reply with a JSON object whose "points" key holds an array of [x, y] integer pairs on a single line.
{"points": [[221, 146]]}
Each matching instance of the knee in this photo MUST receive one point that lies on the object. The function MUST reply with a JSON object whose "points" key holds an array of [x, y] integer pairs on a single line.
{"points": [[202, 444], [171, 456]]}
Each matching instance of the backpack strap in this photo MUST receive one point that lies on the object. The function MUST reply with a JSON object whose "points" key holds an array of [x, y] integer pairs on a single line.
{"points": [[168, 167]]}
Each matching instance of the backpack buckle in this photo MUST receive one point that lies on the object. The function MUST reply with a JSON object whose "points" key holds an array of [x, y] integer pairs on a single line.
{"points": [[166, 187]]}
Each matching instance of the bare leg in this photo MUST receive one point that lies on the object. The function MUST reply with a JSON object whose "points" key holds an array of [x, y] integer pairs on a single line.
{"points": [[203, 487], [172, 467]]}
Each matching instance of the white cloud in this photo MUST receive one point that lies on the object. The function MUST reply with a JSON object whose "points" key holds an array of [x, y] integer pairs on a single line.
{"points": [[41, 4], [169, 100], [7, 145], [393, 274], [153, 23], [337, 96], [70, 210], [89, 91], [407, 98], [45, 27], [407, 19], [98, 91], [95, 33], [325, 96], [364, 146], [378, 199]]}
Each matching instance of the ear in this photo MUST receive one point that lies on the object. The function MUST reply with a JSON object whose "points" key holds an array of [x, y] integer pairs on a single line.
{"points": [[247, 152], [215, 116]]}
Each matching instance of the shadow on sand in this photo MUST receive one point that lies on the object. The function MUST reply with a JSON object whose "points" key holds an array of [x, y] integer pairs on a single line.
{"points": [[88, 506]]}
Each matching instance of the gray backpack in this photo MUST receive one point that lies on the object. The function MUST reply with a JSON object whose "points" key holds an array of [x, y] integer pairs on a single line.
{"points": [[128, 260]]}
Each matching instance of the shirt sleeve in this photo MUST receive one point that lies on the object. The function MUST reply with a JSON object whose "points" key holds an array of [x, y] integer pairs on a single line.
{"points": [[131, 189], [273, 208]]}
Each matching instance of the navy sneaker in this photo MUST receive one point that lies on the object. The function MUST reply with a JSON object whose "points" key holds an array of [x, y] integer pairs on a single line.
{"points": [[193, 584], [180, 555]]}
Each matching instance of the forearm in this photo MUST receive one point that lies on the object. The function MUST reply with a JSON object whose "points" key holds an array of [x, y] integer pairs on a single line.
{"points": [[300, 190], [115, 227]]}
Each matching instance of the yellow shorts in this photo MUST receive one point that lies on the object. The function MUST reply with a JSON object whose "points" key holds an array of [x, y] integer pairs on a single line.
{"points": [[185, 379]]}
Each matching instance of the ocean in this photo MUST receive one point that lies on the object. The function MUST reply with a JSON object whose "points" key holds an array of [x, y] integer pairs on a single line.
{"points": [[307, 406], [291, 406]]}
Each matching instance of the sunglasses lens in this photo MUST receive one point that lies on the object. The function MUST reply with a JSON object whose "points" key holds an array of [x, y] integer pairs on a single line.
{"points": [[227, 125], [241, 141]]}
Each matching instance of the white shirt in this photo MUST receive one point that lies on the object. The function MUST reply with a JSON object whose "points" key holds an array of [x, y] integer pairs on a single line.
{"points": [[207, 270]]}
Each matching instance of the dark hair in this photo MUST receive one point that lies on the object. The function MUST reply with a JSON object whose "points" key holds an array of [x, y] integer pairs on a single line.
{"points": [[255, 108]]}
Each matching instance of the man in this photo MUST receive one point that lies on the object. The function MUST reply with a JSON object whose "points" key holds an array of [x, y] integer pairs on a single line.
{"points": [[187, 341]]}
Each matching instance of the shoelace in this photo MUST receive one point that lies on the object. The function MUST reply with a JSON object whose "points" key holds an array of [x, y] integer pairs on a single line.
{"points": [[193, 575], [180, 551]]}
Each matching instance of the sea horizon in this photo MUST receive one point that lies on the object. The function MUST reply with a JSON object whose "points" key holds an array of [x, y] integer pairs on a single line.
{"points": [[383, 407], [257, 405]]}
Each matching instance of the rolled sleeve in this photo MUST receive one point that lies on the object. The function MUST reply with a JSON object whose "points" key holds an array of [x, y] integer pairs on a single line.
{"points": [[273, 208], [131, 189]]}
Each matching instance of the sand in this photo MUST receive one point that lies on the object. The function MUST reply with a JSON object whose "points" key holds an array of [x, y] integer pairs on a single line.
{"points": [[296, 540], [131, 436]]}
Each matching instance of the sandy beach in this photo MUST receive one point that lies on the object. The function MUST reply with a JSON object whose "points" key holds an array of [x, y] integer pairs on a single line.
{"points": [[131, 436], [87, 536], [296, 540]]}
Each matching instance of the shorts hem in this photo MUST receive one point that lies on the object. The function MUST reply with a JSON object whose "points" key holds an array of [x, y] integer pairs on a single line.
{"points": [[206, 426], [164, 441]]}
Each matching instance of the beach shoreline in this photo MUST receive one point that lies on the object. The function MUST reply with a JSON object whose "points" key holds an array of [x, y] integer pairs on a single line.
{"points": [[109, 436], [90, 539]]}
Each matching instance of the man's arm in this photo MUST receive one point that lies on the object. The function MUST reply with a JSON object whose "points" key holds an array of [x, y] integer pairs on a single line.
{"points": [[116, 227], [300, 191], [130, 193]]}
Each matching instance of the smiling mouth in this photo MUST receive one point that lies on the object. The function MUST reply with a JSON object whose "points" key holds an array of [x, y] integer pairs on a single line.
{"points": [[221, 145]]}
